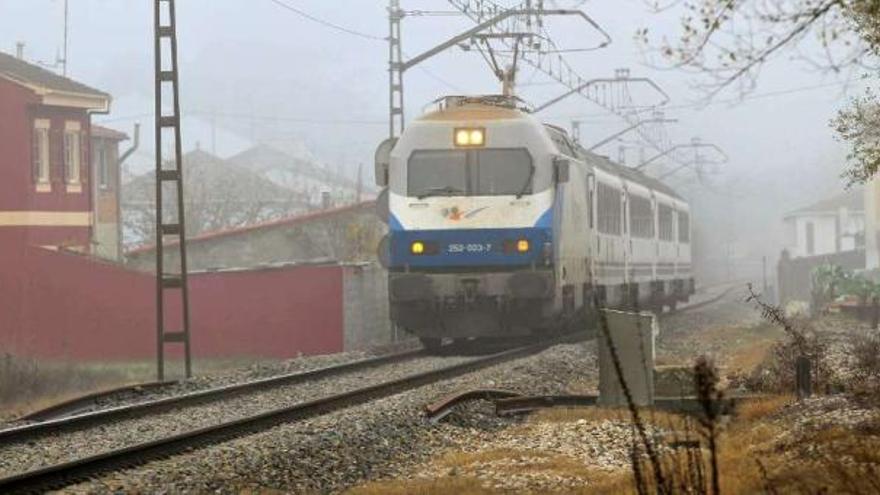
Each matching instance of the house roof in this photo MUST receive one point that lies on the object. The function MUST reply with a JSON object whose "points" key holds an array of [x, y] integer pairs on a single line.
{"points": [[31, 75], [263, 159], [216, 178], [852, 199], [289, 221], [107, 133]]}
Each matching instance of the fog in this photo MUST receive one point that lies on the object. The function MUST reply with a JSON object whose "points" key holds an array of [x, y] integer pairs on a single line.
{"points": [[255, 72]]}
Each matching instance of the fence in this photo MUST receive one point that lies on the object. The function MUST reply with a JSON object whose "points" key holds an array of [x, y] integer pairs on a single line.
{"points": [[795, 274]]}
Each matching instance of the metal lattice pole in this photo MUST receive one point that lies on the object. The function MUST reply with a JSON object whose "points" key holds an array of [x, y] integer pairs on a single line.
{"points": [[169, 172], [396, 121]]}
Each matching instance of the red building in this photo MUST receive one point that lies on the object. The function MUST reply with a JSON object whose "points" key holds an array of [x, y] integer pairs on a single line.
{"points": [[45, 151]]}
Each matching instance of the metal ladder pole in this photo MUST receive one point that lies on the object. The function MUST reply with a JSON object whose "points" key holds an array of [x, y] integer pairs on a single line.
{"points": [[396, 120], [173, 173]]}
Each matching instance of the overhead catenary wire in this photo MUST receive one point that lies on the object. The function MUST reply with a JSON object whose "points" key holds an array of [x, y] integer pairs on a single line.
{"points": [[326, 23], [368, 36], [243, 116], [699, 105]]}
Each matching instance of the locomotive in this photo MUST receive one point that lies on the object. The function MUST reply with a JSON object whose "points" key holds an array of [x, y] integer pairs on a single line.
{"points": [[501, 227]]}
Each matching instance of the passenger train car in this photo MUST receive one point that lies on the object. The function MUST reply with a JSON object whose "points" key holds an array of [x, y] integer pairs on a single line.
{"points": [[502, 226]]}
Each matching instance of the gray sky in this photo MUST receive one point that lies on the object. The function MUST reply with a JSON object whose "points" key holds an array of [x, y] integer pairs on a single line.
{"points": [[257, 70]]}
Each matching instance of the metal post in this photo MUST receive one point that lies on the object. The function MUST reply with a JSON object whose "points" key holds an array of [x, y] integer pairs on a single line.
{"points": [[174, 174], [66, 20], [396, 121]]}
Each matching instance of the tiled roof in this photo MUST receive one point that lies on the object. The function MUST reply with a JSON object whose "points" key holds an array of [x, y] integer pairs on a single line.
{"points": [[107, 133], [25, 73], [852, 200], [281, 222]]}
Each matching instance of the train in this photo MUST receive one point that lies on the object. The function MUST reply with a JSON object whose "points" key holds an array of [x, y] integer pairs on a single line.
{"points": [[501, 226]]}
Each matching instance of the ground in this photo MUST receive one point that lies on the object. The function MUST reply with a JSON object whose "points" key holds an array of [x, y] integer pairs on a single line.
{"points": [[28, 385], [772, 443]]}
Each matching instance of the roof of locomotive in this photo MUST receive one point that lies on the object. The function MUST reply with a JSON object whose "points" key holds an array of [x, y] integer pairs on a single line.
{"points": [[489, 107]]}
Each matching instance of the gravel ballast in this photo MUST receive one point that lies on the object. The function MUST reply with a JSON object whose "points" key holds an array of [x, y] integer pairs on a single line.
{"points": [[58, 448], [340, 449]]}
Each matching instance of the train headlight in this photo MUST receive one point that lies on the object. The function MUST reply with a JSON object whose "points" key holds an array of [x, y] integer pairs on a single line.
{"points": [[522, 245], [469, 137], [417, 247]]}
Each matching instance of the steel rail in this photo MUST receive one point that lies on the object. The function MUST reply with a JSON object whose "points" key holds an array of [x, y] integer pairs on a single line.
{"points": [[77, 404], [89, 419], [714, 299], [61, 475]]}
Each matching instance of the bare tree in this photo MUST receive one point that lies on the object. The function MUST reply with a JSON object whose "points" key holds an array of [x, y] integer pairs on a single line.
{"points": [[727, 42], [218, 196]]}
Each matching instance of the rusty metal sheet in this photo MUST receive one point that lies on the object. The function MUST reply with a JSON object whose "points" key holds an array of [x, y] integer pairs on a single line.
{"points": [[441, 408]]}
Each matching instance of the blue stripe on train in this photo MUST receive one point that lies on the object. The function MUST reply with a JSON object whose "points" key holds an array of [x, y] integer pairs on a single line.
{"points": [[467, 247]]}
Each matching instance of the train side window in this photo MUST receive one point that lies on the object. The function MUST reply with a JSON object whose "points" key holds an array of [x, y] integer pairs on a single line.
{"points": [[609, 211], [664, 223], [641, 217], [684, 227]]}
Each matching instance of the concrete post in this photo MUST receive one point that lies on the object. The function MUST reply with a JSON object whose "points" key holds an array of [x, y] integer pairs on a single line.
{"points": [[872, 223], [803, 377], [632, 341]]}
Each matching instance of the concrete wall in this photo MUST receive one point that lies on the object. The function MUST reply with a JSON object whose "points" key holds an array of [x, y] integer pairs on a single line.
{"points": [[366, 312]]}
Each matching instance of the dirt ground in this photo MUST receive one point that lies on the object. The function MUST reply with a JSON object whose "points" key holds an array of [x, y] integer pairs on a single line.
{"points": [[588, 450]]}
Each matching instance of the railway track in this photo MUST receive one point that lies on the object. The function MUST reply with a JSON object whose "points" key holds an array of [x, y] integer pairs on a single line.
{"points": [[66, 473], [89, 419]]}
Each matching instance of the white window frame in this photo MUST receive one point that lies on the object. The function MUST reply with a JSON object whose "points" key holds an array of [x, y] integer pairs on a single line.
{"points": [[41, 158], [73, 156], [102, 170]]}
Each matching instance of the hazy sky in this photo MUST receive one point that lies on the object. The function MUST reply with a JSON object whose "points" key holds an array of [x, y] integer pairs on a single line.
{"points": [[257, 70]]}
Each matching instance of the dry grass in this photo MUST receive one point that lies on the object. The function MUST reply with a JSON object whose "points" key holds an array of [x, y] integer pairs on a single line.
{"points": [[752, 410], [595, 414], [444, 486], [28, 385], [746, 358], [842, 460]]}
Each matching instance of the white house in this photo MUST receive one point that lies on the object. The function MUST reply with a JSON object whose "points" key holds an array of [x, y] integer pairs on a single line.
{"points": [[833, 225]]}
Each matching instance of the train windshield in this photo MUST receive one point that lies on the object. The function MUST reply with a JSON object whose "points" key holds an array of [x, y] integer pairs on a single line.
{"points": [[484, 172]]}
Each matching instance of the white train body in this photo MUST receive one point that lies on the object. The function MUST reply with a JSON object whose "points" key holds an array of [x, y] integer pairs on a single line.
{"points": [[501, 226]]}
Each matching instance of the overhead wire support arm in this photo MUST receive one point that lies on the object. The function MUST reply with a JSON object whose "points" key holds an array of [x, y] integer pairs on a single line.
{"points": [[628, 129], [483, 26], [555, 66], [692, 145], [610, 81]]}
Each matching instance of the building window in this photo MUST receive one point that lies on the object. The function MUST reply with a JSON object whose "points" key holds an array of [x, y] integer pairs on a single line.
{"points": [[41, 153], [72, 155], [103, 167]]}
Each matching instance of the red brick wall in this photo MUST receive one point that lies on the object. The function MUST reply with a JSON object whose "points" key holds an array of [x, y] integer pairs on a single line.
{"points": [[63, 306]]}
